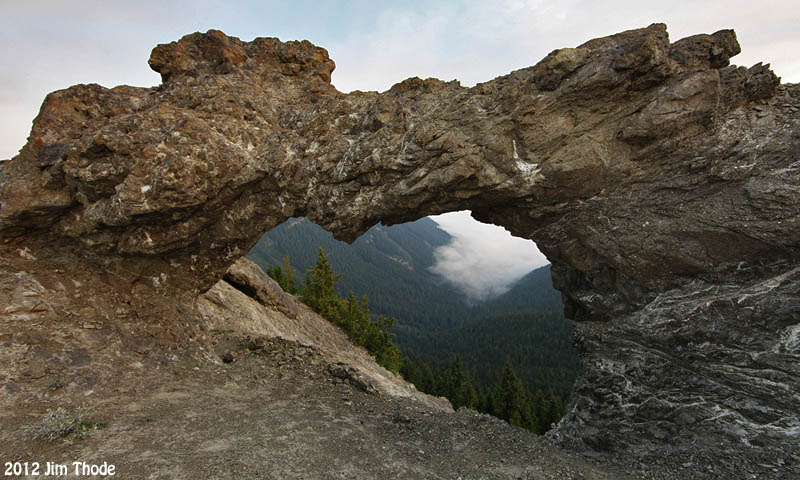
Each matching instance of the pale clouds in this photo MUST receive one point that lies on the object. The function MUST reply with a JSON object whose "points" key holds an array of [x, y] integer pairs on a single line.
{"points": [[482, 260], [475, 41], [51, 45]]}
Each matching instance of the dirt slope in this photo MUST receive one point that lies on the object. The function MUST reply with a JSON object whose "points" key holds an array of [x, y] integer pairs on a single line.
{"points": [[278, 414], [233, 399]]}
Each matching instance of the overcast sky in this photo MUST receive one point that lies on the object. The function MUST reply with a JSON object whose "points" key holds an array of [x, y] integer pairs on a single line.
{"points": [[49, 45]]}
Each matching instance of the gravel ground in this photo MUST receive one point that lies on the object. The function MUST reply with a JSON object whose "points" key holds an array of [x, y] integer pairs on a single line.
{"points": [[281, 411]]}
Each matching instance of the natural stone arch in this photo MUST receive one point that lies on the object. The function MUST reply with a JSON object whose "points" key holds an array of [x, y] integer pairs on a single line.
{"points": [[661, 182]]}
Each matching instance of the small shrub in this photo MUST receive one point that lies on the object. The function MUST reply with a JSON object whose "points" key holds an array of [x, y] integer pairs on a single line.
{"points": [[59, 423]]}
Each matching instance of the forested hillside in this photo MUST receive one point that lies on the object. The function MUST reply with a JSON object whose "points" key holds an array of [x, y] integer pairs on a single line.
{"points": [[534, 291], [387, 264], [538, 343], [433, 320]]}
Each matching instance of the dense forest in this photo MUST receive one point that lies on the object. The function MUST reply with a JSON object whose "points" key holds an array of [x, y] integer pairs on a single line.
{"points": [[510, 356], [531, 332], [508, 398], [538, 344], [387, 264]]}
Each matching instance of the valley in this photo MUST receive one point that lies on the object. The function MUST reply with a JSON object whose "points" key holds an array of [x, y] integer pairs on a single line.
{"points": [[434, 320]]}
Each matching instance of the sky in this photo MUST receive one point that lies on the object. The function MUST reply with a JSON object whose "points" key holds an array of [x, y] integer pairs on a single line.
{"points": [[49, 45]]}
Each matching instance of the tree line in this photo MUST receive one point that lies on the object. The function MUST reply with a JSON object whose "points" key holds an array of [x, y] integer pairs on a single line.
{"points": [[508, 399], [351, 314]]}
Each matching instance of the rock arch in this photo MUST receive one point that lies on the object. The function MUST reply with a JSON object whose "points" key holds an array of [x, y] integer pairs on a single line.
{"points": [[661, 182]]}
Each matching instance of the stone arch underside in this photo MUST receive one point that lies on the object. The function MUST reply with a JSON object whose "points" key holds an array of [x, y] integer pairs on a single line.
{"points": [[661, 182]]}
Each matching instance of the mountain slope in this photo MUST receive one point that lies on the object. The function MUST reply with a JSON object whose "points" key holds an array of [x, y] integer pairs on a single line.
{"points": [[231, 385], [538, 343], [525, 324], [534, 291], [390, 265]]}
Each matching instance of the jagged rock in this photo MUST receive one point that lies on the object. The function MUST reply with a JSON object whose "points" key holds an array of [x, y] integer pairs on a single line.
{"points": [[661, 181], [352, 376], [251, 280]]}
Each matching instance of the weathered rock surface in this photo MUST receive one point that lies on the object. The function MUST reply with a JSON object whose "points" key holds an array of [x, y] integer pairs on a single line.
{"points": [[662, 182]]}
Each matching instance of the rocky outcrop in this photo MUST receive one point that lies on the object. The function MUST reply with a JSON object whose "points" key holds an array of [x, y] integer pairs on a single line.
{"points": [[661, 181], [266, 311]]}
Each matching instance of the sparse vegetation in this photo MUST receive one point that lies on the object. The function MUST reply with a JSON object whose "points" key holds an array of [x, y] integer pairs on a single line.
{"points": [[59, 423], [217, 331], [351, 314]]}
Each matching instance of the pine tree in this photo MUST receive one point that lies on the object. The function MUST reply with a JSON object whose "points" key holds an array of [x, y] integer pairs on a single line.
{"points": [[513, 402], [543, 410], [457, 386], [319, 292], [549, 409], [380, 343], [419, 373], [289, 272], [351, 314], [275, 272]]}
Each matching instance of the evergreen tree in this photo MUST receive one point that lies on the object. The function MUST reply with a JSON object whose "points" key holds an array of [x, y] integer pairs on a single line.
{"points": [[319, 292], [513, 402], [352, 314], [432, 322], [275, 272], [289, 272], [419, 373], [456, 385], [548, 408], [380, 343], [536, 341]]}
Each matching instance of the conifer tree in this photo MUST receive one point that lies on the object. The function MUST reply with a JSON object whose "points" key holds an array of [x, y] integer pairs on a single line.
{"points": [[319, 292], [380, 343], [513, 403], [419, 373], [548, 408], [457, 385], [276, 273], [351, 314], [289, 273]]}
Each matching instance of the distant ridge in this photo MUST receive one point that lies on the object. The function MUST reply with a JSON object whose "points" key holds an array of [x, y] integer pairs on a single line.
{"points": [[433, 319], [390, 265]]}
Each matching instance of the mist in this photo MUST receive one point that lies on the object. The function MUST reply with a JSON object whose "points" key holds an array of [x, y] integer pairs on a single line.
{"points": [[482, 260]]}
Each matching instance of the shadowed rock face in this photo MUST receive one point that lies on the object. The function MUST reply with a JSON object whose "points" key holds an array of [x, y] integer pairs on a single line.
{"points": [[661, 181]]}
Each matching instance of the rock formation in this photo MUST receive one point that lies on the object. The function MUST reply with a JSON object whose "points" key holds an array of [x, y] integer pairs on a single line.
{"points": [[661, 181]]}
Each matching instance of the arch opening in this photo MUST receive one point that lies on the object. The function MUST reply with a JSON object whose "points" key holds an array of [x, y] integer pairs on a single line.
{"points": [[478, 319]]}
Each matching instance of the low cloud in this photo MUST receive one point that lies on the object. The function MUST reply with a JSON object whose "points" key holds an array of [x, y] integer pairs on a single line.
{"points": [[482, 260]]}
